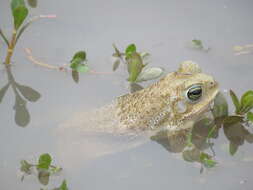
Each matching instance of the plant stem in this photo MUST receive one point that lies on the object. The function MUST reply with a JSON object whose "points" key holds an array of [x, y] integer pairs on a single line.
{"points": [[11, 47]]}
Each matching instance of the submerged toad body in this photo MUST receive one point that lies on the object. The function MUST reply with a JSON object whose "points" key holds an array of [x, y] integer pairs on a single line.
{"points": [[178, 97], [170, 104]]}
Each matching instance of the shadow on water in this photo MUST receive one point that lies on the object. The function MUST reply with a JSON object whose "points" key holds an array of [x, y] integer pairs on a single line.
{"points": [[23, 94]]}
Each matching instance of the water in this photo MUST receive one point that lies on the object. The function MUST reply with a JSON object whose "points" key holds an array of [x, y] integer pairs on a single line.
{"points": [[162, 28]]}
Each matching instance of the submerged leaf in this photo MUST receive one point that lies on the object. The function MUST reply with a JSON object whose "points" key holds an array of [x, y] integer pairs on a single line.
{"points": [[43, 177], [25, 167], [207, 160], [3, 91], [116, 64], [130, 50], [150, 74], [232, 148], [220, 108], [32, 3], [235, 101], [75, 76], [231, 120], [29, 93], [22, 116], [19, 12], [117, 52], [135, 66], [44, 161], [246, 102]]}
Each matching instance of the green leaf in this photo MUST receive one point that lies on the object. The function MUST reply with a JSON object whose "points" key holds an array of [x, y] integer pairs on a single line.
{"points": [[82, 68], [250, 116], [64, 185], [130, 50], [43, 177], [235, 101], [32, 3], [77, 62], [197, 44], [232, 148], [75, 76], [4, 37], [149, 74], [220, 108], [25, 167], [44, 161], [3, 91], [116, 64], [19, 12], [135, 66], [29, 93], [79, 55], [246, 102], [207, 160]]}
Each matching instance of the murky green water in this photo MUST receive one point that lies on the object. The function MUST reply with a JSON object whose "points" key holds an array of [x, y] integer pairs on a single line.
{"points": [[162, 28]]}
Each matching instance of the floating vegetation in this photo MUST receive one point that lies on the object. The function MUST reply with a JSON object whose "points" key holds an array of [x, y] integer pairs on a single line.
{"points": [[198, 44], [79, 65], [43, 169], [19, 14], [136, 64], [245, 49]]}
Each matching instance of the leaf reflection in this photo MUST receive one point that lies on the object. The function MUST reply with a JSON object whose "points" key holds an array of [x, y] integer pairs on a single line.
{"points": [[22, 95]]}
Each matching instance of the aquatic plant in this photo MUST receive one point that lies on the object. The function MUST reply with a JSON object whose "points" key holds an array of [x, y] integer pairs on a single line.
{"points": [[19, 14], [43, 169], [136, 64]]}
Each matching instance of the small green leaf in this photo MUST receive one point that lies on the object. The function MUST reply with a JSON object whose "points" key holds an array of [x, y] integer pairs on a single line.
{"points": [[116, 64], [79, 55], [25, 167], [130, 50], [207, 160], [3, 91], [149, 74], [75, 76], [232, 148], [235, 101], [44, 161], [29, 93], [43, 177], [246, 102], [250, 116], [220, 108], [32, 3], [82, 68], [19, 12], [64, 185], [135, 66], [197, 43]]}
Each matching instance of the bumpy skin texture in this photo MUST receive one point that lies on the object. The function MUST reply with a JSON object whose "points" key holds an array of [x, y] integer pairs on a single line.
{"points": [[164, 104]]}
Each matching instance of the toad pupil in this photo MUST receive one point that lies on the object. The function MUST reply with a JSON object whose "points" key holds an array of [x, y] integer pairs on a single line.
{"points": [[194, 93]]}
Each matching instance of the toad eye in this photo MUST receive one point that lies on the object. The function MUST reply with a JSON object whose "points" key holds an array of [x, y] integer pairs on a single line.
{"points": [[194, 93]]}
